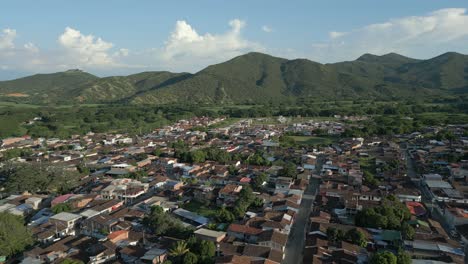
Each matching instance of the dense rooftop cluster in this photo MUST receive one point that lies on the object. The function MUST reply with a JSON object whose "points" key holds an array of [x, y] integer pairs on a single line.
{"points": [[205, 190]]}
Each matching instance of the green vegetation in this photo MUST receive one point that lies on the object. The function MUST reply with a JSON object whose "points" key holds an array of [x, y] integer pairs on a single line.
{"points": [[162, 223], [15, 153], [62, 207], [38, 177], [192, 251], [258, 181], [245, 200], [14, 236], [255, 78], [200, 208], [384, 257], [64, 122], [224, 215], [389, 117], [389, 215], [354, 236], [387, 257]]}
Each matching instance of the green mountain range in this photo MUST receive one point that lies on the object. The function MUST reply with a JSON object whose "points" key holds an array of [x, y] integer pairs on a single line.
{"points": [[255, 78]]}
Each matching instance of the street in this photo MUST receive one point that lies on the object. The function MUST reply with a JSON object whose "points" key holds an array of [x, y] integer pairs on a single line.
{"points": [[296, 239]]}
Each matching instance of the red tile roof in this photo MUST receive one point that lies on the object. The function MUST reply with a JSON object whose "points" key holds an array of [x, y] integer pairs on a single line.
{"points": [[236, 228]]}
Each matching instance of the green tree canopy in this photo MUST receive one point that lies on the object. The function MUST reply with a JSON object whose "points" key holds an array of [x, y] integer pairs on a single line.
{"points": [[190, 258], [384, 257], [356, 237], [14, 236], [62, 207]]}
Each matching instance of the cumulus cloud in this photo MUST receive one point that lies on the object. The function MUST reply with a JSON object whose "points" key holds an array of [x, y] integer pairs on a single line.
{"points": [[416, 36], [267, 29], [85, 50], [74, 50], [31, 47], [187, 48], [7, 37]]}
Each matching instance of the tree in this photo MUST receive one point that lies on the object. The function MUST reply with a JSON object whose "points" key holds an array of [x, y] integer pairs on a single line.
{"points": [[384, 257], [259, 180], [335, 235], [157, 152], [162, 223], [403, 257], [407, 231], [198, 156], [289, 170], [14, 236], [356, 237], [190, 258], [207, 249], [389, 215], [257, 202], [225, 216], [246, 194], [179, 249], [332, 234], [246, 198], [62, 207], [38, 177], [370, 180]]}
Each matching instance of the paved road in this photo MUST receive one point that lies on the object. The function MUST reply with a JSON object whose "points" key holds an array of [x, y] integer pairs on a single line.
{"points": [[296, 239]]}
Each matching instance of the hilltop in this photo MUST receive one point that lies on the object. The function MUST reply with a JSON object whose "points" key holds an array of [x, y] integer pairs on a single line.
{"points": [[255, 78]]}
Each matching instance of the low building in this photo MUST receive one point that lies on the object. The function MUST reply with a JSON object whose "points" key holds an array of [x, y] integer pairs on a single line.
{"points": [[68, 220], [210, 235]]}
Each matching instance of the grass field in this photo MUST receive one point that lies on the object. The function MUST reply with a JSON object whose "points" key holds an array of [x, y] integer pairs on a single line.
{"points": [[199, 208], [311, 140]]}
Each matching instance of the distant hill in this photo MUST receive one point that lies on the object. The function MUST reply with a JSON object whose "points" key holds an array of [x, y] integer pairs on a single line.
{"points": [[255, 78], [45, 88]]}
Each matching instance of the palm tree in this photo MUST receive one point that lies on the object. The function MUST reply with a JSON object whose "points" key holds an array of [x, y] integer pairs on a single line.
{"points": [[179, 249]]}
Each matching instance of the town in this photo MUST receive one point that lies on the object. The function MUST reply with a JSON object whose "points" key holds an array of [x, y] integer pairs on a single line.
{"points": [[251, 190]]}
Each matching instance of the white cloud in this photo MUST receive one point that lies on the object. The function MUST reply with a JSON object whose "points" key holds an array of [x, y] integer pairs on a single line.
{"points": [[416, 36], [336, 34], [7, 37], [187, 49], [74, 50], [123, 52], [85, 50], [31, 47], [267, 29]]}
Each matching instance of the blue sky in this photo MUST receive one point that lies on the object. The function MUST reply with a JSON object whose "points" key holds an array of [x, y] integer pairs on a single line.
{"points": [[121, 37]]}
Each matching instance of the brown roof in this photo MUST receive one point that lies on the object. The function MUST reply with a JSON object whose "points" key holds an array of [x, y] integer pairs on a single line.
{"points": [[228, 189], [274, 236], [233, 259], [135, 251], [256, 251], [236, 228]]}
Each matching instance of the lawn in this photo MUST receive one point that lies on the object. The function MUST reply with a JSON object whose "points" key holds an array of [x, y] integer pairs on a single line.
{"points": [[311, 140], [201, 209]]}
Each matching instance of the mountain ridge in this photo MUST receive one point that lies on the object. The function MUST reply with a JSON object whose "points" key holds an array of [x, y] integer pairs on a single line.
{"points": [[255, 78]]}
